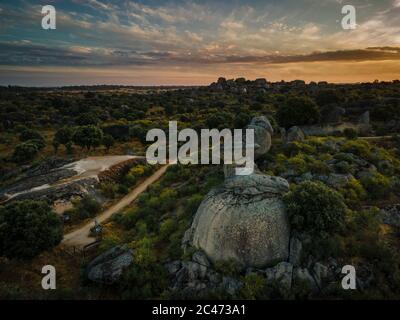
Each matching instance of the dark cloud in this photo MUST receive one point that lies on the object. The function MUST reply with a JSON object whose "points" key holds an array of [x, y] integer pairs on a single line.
{"points": [[25, 53]]}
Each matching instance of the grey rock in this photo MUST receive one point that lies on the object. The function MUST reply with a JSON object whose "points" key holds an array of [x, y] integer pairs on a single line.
{"points": [[294, 134], [304, 177], [304, 275], [262, 135], [244, 221], [213, 277], [195, 271], [281, 273], [320, 273], [295, 251], [332, 145], [108, 267], [364, 118], [200, 258], [173, 267], [283, 134], [231, 285], [336, 180], [390, 215]]}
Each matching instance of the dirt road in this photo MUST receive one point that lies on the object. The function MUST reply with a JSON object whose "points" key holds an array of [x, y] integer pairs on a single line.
{"points": [[80, 237]]}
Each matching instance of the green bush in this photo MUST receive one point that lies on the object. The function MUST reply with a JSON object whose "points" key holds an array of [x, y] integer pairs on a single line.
{"points": [[350, 133], [27, 228], [360, 148], [88, 136], [254, 287], [298, 111], [316, 209], [377, 185], [29, 134], [25, 152]]}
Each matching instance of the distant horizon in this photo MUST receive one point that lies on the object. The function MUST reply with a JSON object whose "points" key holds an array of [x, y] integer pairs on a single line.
{"points": [[186, 85]]}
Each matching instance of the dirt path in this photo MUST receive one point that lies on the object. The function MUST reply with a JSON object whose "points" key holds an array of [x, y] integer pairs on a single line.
{"points": [[80, 237]]}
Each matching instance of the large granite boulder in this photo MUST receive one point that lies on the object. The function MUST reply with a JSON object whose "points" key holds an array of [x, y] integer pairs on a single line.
{"points": [[244, 220], [108, 267], [262, 135]]}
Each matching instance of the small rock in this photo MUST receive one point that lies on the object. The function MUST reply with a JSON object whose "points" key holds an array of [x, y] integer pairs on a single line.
{"points": [[281, 273], [390, 215], [231, 285], [365, 118], [320, 272], [304, 275], [201, 258], [173, 267], [336, 180], [294, 134], [109, 266]]}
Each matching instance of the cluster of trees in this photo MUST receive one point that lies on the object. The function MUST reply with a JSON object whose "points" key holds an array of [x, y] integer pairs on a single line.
{"points": [[27, 228], [87, 136], [31, 143]]}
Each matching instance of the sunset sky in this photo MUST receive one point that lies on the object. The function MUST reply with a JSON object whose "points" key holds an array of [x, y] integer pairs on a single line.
{"points": [[194, 42]]}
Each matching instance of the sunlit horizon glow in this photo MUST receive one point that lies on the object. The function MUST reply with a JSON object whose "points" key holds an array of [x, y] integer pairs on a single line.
{"points": [[193, 43]]}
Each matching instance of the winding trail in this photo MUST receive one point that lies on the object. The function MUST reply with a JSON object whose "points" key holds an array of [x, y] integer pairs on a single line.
{"points": [[80, 237]]}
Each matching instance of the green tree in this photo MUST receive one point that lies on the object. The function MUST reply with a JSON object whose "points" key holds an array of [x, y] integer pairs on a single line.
{"points": [[316, 209], [298, 111], [29, 134], [88, 137], [64, 135], [328, 96], [86, 119], [242, 120], [24, 152], [27, 228], [108, 141]]}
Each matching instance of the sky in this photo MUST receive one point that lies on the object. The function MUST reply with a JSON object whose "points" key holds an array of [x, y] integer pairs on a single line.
{"points": [[194, 42]]}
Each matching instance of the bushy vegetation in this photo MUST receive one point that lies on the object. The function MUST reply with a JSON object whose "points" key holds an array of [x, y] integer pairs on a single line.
{"points": [[27, 228], [298, 111], [97, 122], [316, 209]]}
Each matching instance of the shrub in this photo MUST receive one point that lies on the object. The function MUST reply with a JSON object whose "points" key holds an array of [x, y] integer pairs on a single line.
{"points": [[88, 136], [192, 203], [85, 208], [27, 228], [298, 164], [359, 147], [108, 141], [296, 147], [353, 192], [24, 152], [350, 133], [377, 185], [253, 287], [167, 227], [108, 189], [29, 134], [316, 209], [298, 111]]}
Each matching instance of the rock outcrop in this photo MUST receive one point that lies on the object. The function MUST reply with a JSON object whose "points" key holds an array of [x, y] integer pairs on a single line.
{"points": [[244, 220], [108, 267]]}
